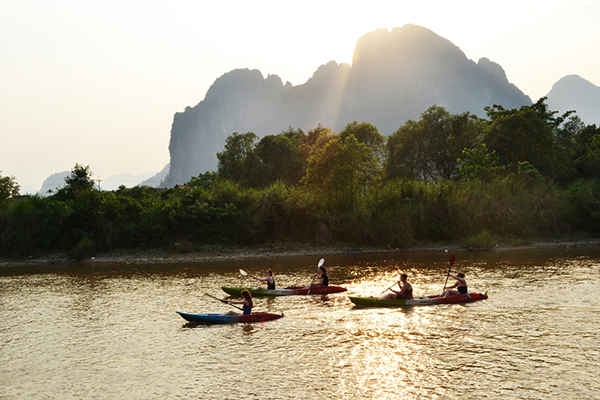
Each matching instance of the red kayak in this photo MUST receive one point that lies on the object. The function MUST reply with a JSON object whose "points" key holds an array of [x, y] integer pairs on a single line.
{"points": [[288, 291], [418, 301]]}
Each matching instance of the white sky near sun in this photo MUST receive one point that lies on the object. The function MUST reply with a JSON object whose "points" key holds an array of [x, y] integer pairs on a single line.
{"points": [[98, 82]]}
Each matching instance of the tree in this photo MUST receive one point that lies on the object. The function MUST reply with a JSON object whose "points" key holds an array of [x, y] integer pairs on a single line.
{"points": [[355, 171], [77, 183], [527, 134], [239, 162], [281, 157], [479, 163], [588, 164], [343, 170], [8, 187], [365, 133], [314, 140], [429, 149], [586, 152]]}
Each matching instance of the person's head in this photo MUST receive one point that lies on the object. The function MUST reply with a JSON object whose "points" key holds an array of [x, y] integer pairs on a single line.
{"points": [[403, 277], [460, 275], [246, 295], [323, 270], [270, 272]]}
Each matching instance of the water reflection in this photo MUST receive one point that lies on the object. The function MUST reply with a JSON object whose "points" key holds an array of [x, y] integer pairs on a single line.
{"points": [[112, 331]]}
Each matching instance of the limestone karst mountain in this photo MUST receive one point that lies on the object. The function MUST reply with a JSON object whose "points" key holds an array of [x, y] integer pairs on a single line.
{"points": [[395, 76], [575, 93]]}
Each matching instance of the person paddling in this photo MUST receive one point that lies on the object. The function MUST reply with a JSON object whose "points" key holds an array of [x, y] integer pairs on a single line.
{"points": [[323, 278], [405, 292], [247, 304], [269, 280], [460, 285]]}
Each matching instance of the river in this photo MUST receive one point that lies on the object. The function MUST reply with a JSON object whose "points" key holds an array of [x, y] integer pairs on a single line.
{"points": [[101, 331]]}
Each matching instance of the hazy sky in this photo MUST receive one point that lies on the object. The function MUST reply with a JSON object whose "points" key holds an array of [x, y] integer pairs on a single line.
{"points": [[98, 82]]}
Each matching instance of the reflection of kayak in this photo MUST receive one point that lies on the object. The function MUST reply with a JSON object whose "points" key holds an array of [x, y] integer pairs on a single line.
{"points": [[229, 319], [288, 291], [418, 301]]}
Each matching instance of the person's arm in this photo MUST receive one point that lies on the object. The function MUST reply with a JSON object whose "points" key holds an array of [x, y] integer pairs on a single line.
{"points": [[455, 283]]}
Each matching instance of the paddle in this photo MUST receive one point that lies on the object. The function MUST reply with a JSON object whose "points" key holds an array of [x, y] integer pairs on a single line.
{"points": [[387, 289], [246, 274], [321, 262], [452, 259], [223, 301]]}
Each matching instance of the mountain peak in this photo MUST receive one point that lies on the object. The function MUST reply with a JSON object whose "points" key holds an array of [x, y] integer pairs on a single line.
{"points": [[395, 76]]}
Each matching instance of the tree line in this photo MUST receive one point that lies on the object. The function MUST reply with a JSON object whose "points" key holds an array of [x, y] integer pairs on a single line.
{"points": [[517, 175]]}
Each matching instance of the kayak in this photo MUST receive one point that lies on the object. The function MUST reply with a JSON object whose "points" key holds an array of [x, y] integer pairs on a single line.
{"points": [[288, 291], [418, 301], [229, 319]]}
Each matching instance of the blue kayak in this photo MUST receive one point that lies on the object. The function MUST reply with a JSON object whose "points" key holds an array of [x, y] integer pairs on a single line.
{"points": [[229, 319]]}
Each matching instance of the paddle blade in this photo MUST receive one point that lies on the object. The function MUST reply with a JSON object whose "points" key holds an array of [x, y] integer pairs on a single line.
{"points": [[321, 262], [452, 259], [243, 272]]}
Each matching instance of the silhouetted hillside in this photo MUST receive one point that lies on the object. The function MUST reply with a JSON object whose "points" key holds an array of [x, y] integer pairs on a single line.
{"points": [[395, 76], [575, 93]]}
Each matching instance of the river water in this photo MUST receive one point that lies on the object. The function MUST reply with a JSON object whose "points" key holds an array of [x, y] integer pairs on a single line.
{"points": [[111, 331]]}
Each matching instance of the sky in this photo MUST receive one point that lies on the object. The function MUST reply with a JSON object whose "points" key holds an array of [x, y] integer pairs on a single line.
{"points": [[98, 82]]}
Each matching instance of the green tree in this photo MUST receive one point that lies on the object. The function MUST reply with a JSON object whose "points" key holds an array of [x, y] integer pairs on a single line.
{"points": [[527, 134], [429, 149], [586, 153], [78, 182], [343, 171], [281, 157], [355, 172], [8, 187], [239, 161], [479, 163], [365, 133], [315, 140]]}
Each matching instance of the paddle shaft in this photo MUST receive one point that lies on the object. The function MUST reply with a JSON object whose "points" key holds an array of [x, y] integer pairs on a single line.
{"points": [[224, 301], [388, 289], [452, 258]]}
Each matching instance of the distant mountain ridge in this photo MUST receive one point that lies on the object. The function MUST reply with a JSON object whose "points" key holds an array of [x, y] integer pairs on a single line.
{"points": [[572, 92], [395, 76]]}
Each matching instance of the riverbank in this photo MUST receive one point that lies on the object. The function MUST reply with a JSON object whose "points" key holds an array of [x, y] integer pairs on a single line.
{"points": [[206, 253]]}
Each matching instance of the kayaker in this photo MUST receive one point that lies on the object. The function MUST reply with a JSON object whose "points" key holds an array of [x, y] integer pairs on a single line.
{"points": [[247, 304], [405, 292], [269, 279], [460, 285], [324, 279]]}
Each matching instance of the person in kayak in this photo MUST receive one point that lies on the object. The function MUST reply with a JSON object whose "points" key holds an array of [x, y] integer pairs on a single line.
{"points": [[323, 278], [460, 285], [405, 292], [247, 304], [269, 279]]}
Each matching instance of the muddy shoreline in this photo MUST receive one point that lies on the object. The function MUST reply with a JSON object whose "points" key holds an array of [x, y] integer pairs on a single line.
{"points": [[277, 250]]}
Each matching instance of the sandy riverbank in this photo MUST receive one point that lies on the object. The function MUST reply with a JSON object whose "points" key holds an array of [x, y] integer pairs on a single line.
{"points": [[274, 250]]}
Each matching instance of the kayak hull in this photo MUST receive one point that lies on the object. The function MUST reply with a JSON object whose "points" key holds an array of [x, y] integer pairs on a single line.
{"points": [[288, 291], [418, 301], [229, 319]]}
